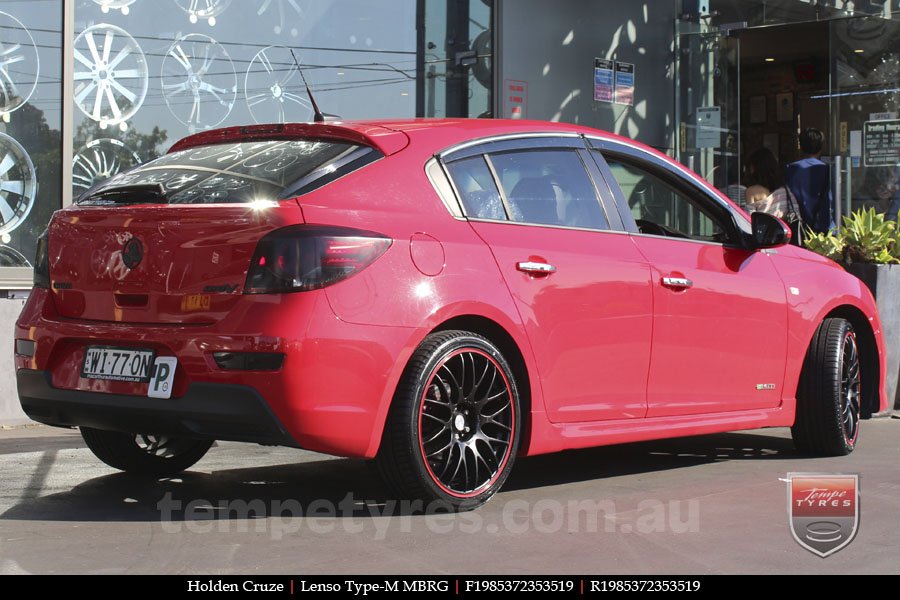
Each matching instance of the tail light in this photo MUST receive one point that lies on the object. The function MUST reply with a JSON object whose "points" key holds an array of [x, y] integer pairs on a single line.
{"points": [[42, 262], [303, 257]]}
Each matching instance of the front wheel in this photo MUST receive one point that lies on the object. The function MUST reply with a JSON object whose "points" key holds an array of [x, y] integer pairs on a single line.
{"points": [[453, 430], [141, 454], [828, 399]]}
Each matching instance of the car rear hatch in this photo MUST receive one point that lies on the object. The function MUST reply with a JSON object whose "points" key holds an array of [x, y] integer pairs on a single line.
{"points": [[171, 241], [156, 264]]}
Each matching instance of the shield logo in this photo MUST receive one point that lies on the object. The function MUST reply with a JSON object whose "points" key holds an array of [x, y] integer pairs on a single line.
{"points": [[824, 510]]}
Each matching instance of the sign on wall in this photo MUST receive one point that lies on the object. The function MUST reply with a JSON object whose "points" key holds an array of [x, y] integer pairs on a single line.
{"points": [[709, 127], [882, 143], [604, 86], [624, 83], [516, 98]]}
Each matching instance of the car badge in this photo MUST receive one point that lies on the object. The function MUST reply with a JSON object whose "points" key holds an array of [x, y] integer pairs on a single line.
{"points": [[133, 253]]}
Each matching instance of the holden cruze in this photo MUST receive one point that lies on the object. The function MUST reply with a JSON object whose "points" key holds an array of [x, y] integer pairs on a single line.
{"points": [[439, 296]]}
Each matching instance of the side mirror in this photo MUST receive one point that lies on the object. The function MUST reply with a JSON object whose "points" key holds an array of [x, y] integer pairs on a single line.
{"points": [[769, 231]]}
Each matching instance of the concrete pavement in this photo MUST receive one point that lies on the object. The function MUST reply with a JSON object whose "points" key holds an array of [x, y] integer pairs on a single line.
{"points": [[712, 504]]}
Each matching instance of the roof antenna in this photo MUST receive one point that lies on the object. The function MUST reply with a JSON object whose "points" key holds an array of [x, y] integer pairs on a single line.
{"points": [[318, 117]]}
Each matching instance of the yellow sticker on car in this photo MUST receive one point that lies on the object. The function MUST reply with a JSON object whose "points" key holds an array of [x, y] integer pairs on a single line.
{"points": [[195, 302]]}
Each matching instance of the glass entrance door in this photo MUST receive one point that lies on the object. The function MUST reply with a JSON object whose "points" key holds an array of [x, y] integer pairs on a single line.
{"points": [[864, 105], [707, 76], [754, 74]]}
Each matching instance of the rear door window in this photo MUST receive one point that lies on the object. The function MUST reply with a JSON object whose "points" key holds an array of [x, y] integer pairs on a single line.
{"points": [[549, 187], [539, 187], [234, 172]]}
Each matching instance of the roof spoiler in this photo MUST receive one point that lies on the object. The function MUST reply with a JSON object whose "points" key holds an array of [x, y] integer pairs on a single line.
{"points": [[388, 141]]}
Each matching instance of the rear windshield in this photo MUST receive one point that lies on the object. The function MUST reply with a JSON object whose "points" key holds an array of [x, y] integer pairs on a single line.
{"points": [[237, 172]]}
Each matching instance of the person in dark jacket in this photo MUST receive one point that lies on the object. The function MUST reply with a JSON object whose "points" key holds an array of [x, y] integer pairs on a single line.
{"points": [[808, 182]]}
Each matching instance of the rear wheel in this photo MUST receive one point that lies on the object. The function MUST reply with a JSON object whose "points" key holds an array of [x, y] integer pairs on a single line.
{"points": [[453, 430], [828, 399], [141, 454]]}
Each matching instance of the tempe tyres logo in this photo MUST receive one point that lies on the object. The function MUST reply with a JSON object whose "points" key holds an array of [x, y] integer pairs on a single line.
{"points": [[824, 510]]}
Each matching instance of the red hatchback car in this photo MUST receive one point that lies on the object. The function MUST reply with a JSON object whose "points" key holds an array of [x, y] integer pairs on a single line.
{"points": [[439, 296]]}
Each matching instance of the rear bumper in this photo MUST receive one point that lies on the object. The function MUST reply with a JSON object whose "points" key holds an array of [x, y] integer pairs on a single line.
{"points": [[331, 394], [206, 411]]}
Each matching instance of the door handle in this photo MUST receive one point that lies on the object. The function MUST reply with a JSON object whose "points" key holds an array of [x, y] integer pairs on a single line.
{"points": [[677, 282], [535, 268]]}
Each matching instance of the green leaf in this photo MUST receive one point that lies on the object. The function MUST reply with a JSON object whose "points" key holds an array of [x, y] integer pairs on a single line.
{"points": [[865, 237]]}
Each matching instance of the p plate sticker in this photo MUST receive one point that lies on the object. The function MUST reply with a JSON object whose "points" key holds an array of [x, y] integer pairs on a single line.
{"points": [[162, 377]]}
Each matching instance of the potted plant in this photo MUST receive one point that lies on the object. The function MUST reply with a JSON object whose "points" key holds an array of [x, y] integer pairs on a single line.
{"points": [[869, 247]]}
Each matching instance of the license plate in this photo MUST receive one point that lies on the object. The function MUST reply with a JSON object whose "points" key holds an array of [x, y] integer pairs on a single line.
{"points": [[118, 364]]}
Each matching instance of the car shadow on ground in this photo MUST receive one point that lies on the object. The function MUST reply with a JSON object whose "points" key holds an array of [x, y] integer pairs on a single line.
{"points": [[645, 457], [351, 487]]}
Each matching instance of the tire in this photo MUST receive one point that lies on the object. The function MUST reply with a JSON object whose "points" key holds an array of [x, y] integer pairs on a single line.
{"points": [[828, 398], [145, 455], [452, 435]]}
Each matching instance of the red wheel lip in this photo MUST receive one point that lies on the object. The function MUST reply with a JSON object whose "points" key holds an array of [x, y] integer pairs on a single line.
{"points": [[480, 489], [851, 442]]}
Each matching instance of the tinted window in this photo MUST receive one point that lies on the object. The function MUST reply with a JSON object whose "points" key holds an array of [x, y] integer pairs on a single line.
{"points": [[549, 187], [237, 172], [475, 184], [659, 208]]}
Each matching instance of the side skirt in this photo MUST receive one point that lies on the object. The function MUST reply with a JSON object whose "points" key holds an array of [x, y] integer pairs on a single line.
{"points": [[549, 437]]}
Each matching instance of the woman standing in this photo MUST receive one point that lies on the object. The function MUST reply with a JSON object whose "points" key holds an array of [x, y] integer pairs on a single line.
{"points": [[772, 195]]}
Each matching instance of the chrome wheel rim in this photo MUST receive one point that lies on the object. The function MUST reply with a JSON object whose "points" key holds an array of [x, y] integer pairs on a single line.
{"points": [[466, 423], [850, 388]]}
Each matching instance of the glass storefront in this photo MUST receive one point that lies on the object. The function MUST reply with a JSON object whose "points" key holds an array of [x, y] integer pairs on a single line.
{"points": [[89, 88], [457, 59], [753, 74], [31, 36], [149, 73], [141, 74], [864, 108]]}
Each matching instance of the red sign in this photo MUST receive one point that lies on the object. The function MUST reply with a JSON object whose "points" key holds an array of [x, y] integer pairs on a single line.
{"points": [[516, 101]]}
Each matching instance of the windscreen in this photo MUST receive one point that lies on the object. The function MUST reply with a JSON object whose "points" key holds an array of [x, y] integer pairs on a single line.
{"points": [[227, 173]]}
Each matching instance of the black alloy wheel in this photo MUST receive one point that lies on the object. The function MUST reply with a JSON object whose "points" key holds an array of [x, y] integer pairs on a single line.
{"points": [[454, 428]]}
